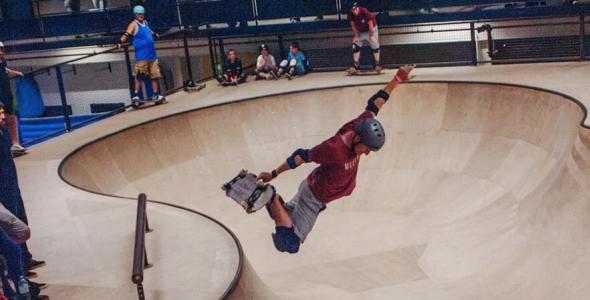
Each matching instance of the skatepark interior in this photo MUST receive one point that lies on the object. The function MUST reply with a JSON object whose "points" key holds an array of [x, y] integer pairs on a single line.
{"points": [[480, 192]]}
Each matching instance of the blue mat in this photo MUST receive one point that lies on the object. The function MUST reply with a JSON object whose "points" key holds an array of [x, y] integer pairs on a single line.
{"points": [[36, 130]]}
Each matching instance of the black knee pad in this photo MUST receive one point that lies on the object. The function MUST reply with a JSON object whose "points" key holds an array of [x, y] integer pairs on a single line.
{"points": [[356, 48], [286, 240]]}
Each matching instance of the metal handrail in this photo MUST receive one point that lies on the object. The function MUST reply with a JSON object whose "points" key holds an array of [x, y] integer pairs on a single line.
{"points": [[140, 260], [95, 53]]}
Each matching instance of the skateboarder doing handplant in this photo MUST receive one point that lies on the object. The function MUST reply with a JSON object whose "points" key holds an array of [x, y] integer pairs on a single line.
{"points": [[335, 177]]}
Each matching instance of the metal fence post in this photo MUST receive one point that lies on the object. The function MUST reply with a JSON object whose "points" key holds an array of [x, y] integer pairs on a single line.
{"points": [[64, 101], [281, 47], [129, 72], [187, 56], [473, 44], [178, 14], [211, 55], [222, 50], [582, 37], [255, 11]]}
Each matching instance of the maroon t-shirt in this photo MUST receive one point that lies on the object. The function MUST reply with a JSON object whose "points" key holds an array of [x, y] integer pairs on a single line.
{"points": [[361, 22], [336, 175]]}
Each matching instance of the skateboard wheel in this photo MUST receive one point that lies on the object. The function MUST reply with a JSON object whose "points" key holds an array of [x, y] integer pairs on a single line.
{"points": [[245, 205], [243, 173]]}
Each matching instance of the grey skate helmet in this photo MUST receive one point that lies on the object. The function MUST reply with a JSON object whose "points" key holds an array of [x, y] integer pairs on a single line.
{"points": [[371, 133]]}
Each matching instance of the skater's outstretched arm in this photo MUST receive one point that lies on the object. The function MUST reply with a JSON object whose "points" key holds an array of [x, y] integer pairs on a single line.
{"points": [[376, 102]]}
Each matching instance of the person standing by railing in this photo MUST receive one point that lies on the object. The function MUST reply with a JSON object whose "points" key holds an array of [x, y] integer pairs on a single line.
{"points": [[364, 27], [146, 65], [7, 99]]}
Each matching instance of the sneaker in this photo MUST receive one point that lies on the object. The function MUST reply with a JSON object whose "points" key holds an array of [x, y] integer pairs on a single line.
{"points": [[34, 264], [352, 71], [274, 75], [31, 275], [35, 291], [135, 98], [18, 148], [158, 97], [37, 285]]}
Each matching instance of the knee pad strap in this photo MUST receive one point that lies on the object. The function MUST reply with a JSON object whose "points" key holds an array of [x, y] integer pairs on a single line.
{"points": [[356, 48]]}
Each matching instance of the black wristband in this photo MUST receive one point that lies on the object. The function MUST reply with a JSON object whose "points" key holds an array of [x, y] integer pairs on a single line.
{"points": [[274, 173], [382, 94]]}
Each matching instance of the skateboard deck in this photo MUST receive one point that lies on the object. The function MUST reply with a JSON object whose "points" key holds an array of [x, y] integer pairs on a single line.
{"points": [[252, 195], [139, 103], [363, 73], [194, 88], [224, 84]]}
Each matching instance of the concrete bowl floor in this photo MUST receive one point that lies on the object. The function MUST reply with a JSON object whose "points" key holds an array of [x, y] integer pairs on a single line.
{"points": [[481, 192]]}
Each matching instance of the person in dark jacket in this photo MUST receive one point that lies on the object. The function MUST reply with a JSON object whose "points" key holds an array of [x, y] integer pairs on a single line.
{"points": [[233, 72]]}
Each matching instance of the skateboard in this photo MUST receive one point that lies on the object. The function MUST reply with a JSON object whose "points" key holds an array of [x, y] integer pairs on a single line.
{"points": [[191, 86], [225, 83], [139, 103], [252, 195], [362, 73]]}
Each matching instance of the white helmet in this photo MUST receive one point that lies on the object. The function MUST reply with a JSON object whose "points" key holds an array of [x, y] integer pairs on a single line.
{"points": [[1, 45]]}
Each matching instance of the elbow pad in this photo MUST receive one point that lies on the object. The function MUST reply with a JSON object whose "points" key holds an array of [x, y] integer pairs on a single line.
{"points": [[371, 106], [303, 153]]}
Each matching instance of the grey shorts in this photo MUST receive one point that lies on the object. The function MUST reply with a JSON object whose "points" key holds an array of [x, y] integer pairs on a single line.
{"points": [[373, 41], [304, 209]]}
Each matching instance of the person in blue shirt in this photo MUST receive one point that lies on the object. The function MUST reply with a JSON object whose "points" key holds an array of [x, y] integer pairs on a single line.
{"points": [[143, 40], [295, 64]]}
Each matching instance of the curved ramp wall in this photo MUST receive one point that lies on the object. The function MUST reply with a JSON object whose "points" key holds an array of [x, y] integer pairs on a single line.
{"points": [[481, 190]]}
